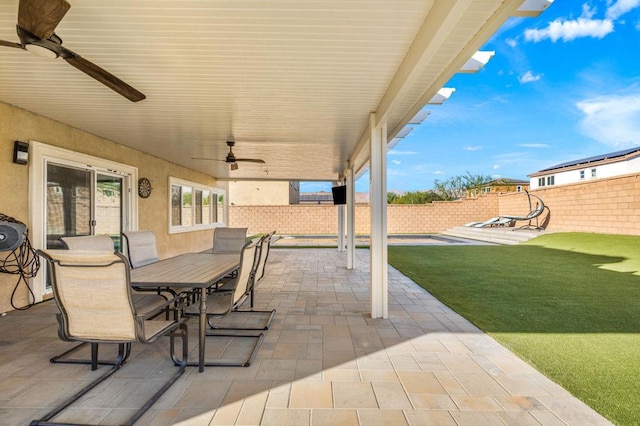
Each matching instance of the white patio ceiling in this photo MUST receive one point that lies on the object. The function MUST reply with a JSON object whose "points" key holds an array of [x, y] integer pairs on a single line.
{"points": [[292, 81]]}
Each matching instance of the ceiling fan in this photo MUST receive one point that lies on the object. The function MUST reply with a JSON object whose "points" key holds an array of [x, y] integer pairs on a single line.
{"points": [[37, 19], [231, 158]]}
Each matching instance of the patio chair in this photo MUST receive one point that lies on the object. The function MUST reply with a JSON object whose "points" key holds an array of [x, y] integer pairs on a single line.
{"points": [[142, 250], [221, 302], [144, 304], [229, 240], [264, 255], [243, 285], [93, 295], [88, 242]]}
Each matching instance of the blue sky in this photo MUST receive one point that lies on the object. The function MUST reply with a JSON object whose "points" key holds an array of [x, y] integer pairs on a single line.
{"points": [[563, 86]]}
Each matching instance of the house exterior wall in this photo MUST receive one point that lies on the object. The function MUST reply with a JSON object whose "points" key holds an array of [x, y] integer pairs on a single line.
{"points": [[603, 171], [22, 125], [401, 218]]}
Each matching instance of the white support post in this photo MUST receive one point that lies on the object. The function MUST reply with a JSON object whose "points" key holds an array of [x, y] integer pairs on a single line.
{"points": [[378, 200], [351, 218], [341, 228]]}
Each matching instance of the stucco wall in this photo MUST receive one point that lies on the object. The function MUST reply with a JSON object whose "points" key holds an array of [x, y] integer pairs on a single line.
{"points": [[401, 219], [19, 124]]}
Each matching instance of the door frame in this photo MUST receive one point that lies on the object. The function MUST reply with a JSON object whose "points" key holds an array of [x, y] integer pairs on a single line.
{"points": [[40, 154]]}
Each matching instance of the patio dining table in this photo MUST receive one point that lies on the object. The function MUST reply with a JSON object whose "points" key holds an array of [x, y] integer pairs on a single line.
{"points": [[194, 271]]}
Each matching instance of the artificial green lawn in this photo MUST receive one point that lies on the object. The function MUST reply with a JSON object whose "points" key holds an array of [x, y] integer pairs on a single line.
{"points": [[567, 303]]}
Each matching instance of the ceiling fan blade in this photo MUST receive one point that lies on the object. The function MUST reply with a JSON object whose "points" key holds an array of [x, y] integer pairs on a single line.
{"points": [[204, 158], [41, 17], [104, 77], [250, 160], [11, 44]]}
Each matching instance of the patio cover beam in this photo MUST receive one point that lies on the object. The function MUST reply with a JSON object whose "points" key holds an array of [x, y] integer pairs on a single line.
{"points": [[439, 23], [430, 38]]}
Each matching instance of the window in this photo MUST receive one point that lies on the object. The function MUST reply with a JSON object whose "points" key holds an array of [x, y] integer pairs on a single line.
{"points": [[486, 189], [194, 206], [581, 174], [519, 188], [541, 181], [551, 180], [593, 173]]}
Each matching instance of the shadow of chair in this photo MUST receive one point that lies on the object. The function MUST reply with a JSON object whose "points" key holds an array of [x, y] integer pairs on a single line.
{"points": [[94, 299]]}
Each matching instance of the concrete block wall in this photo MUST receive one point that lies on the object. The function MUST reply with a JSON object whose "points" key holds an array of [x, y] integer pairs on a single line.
{"points": [[605, 206], [609, 206], [401, 219]]}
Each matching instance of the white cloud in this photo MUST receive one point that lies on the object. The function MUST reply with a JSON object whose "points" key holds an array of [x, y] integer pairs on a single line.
{"points": [[438, 172], [396, 162], [496, 167], [584, 26], [512, 42], [570, 30], [472, 148], [534, 145], [567, 30], [612, 120], [621, 7], [529, 77], [396, 152]]}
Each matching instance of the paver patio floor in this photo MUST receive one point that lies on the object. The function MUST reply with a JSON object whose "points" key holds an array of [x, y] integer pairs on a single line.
{"points": [[323, 361]]}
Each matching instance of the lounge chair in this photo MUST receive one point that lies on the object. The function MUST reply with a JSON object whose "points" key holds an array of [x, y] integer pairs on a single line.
{"points": [[482, 224], [494, 222], [93, 295]]}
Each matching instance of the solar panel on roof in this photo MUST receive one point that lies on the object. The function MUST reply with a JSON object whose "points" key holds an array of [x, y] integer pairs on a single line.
{"points": [[593, 159]]}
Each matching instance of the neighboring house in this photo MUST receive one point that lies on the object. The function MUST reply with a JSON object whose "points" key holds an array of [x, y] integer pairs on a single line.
{"points": [[597, 167], [263, 193], [501, 185]]}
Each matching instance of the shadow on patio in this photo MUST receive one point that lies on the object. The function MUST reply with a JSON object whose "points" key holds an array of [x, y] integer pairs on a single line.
{"points": [[323, 361]]}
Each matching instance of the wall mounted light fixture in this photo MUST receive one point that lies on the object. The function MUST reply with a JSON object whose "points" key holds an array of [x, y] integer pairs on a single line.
{"points": [[20, 152]]}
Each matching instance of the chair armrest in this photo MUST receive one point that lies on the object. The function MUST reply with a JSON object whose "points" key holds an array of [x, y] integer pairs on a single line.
{"points": [[175, 304]]}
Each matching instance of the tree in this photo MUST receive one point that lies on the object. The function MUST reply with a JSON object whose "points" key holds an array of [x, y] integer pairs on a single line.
{"points": [[416, 197], [457, 186]]}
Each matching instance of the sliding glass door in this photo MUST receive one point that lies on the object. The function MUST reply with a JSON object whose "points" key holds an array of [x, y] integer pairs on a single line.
{"points": [[74, 194], [82, 202]]}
